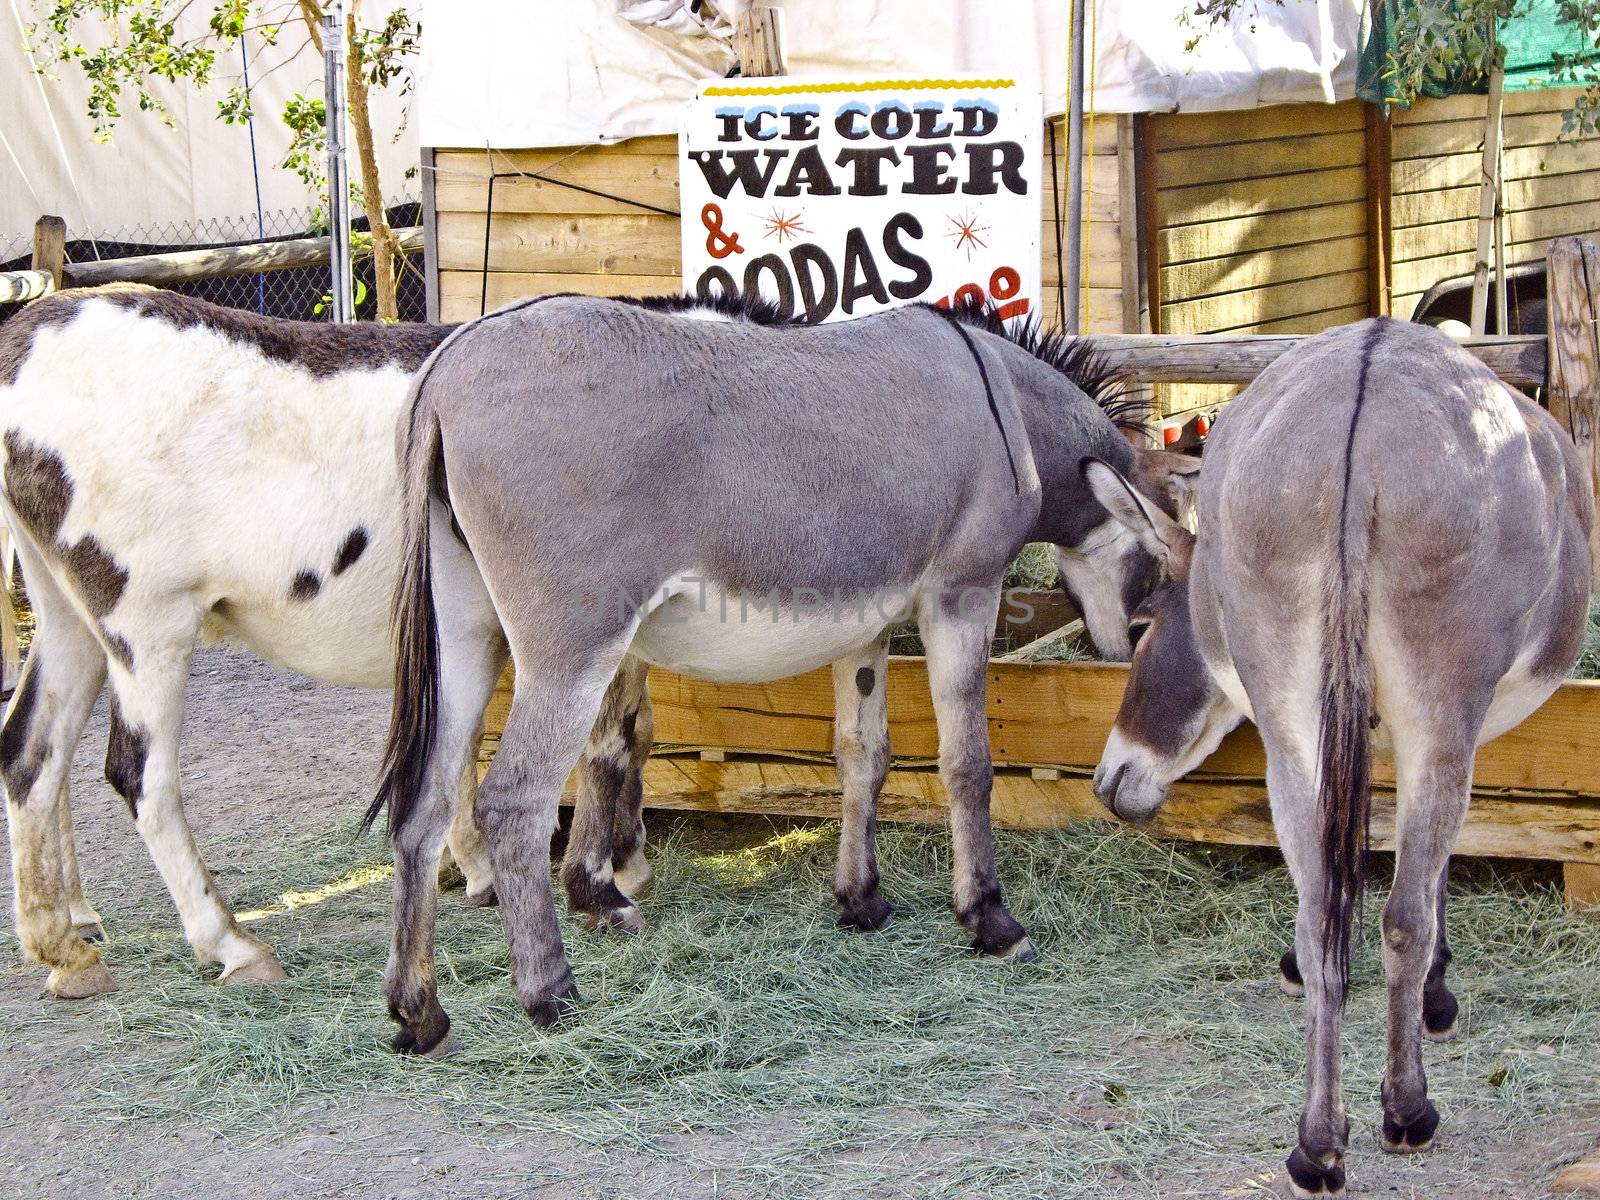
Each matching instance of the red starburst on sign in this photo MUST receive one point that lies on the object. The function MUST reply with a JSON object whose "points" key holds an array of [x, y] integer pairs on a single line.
{"points": [[782, 225], [968, 234]]}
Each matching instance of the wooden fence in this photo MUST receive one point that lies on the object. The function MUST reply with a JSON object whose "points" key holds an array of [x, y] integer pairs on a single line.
{"points": [[766, 748]]}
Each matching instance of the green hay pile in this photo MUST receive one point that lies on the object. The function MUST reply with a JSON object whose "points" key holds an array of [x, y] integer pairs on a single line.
{"points": [[1149, 1033]]}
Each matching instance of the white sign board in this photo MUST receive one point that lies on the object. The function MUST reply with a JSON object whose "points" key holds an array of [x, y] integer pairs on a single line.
{"points": [[837, 199]]}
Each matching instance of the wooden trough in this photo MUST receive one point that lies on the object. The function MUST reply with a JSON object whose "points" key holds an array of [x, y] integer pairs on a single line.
{"points": [[766, 748]]}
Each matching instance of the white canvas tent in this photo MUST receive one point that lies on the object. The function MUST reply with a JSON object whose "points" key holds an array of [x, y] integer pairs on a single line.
{"points": [[572, 72], [196, 172]]}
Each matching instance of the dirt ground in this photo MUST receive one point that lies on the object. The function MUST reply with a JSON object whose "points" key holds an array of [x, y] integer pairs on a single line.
{"points": [[271, 755]]}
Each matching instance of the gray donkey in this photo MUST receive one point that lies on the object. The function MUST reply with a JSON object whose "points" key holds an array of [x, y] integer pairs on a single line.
{"points": [[1371, 503], [738, 501]]}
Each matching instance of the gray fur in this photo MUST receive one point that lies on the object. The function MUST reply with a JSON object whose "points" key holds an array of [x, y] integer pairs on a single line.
{"points": [[1465, 508]]}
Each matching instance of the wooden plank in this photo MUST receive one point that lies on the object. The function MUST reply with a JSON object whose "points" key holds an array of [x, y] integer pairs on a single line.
{"points": [[1250, 235], [1261, 160], [1183, 130], [1581, 883], [1239, 358], [50, 248], [1521, 195], [1135, 306], [1229, 813], [1230, 310], [459, 291], [541, 243], [1417, 275], [1438, 171], [1240, 272], [1451, 237], [647, 181], [1465, 136], [181, 265], [1059, 715], [1471, 107], [1101, 248], [662, 146], [1147, 171], [1574, 350], [1258, 197]]}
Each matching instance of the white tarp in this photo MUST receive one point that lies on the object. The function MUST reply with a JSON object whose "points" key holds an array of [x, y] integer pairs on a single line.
{"points": [[519, 73], [152, 174]]}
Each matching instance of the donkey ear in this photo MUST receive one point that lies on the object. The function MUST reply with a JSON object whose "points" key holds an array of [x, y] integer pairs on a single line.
{"points": [[1163, 472], [1156, 531]]}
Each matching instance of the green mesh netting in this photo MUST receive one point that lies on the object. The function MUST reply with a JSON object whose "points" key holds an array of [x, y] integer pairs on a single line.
{"points": [[1532, 38]]}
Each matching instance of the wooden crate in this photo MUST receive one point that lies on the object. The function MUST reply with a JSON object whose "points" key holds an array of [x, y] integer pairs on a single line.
{"points": [[1536, 789]]}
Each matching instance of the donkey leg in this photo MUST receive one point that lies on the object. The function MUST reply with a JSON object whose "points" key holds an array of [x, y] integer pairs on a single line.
{"points": [[861, 750], [465, 841], [957, 645], [1439, 1007], [468, 668], [1435, 788], [1316, 1166], [84, 917], [629, 867], [610, 784], [552, 713], [62, 677], [142, 765]]}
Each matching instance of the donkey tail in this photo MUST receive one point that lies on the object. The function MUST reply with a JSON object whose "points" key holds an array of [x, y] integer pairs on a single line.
{"points": [[413, 719], [1344, 751]]}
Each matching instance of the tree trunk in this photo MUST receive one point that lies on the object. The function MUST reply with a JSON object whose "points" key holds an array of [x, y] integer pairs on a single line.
{"points": [[384, 246]]}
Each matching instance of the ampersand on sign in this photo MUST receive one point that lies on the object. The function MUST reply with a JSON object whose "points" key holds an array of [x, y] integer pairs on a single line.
{"points": [[718, 243]]}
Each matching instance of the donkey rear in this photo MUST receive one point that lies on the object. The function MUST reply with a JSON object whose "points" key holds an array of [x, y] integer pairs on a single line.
{"points": [[1392, 539]]}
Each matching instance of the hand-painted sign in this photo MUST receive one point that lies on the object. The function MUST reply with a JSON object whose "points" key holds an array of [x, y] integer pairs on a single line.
{"points": [[838, 199]]}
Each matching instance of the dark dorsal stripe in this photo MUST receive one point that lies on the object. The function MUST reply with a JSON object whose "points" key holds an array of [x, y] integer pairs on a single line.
{"points": [[988, 391]]}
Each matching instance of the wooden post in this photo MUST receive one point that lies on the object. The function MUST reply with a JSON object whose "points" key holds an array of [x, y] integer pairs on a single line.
{"points": [[1581, 882], [1573, 270], [758, 39], [1488, 197], [50, 247]]}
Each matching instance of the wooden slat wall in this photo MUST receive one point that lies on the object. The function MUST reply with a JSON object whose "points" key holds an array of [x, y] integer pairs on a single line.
{"points": [[548, 238], [1552, 189], [1261, 224]]}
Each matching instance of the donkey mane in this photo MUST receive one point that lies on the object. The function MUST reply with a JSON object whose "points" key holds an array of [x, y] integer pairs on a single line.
{"points": [[1075, 357], [753, 309]]}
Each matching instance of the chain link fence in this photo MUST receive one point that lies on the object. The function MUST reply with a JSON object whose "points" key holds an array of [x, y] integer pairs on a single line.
{"points": [[299, 293]]}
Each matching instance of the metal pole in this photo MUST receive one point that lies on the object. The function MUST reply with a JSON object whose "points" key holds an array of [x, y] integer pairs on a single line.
{"points": [[1072, 269], [333, 65]]}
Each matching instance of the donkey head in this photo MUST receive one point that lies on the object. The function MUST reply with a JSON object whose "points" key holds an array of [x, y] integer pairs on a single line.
{"points": [[1112, 568], [1173, 713]]}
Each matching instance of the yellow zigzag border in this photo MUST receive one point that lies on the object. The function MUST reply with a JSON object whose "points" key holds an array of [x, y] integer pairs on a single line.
{"points": [[882, 85]]}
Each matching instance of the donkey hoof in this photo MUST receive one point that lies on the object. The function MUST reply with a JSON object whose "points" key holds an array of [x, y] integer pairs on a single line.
{"points": [[91, 931], [864, 914], [998, 934], [1439, 1016], [1290, 981], [553, 1009], [262, 970], [93, 980], [484, 899], [625, 920], [1412, 1137], [1022, 952], [424, 1028], [1308, 1178]]}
